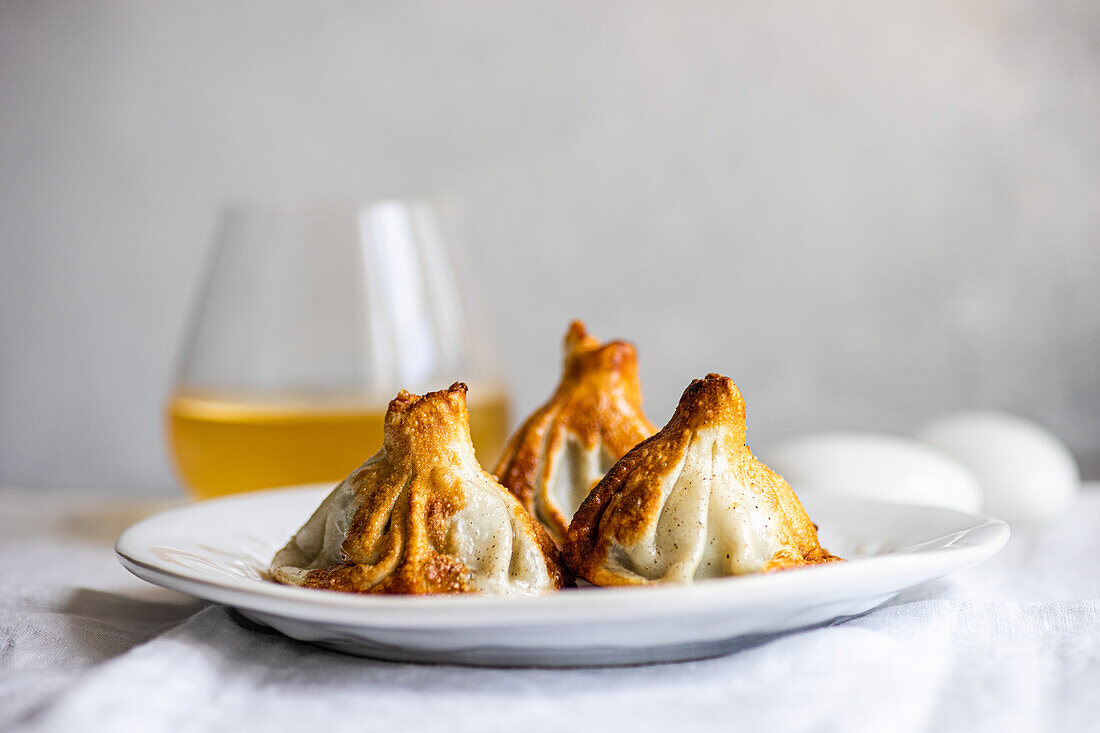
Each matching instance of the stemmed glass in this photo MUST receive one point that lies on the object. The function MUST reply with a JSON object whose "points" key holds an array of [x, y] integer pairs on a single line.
{"points": [[311, 318]]}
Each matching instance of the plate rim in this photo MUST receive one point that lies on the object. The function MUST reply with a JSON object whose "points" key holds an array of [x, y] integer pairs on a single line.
{"points": [[891, 573]]}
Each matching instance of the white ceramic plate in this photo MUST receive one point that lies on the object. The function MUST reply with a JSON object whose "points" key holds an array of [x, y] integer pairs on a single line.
{"points": [[219, 550]]}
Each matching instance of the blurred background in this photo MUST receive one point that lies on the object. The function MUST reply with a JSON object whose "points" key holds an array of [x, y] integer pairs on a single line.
{"points": [[866, 213]]}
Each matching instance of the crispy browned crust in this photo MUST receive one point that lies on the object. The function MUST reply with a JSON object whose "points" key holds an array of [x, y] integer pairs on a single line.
{"points": [[599, 398], [624, 503], [397, 537]]}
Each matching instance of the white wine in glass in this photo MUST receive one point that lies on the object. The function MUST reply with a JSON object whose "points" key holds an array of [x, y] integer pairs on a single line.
{"points": [[311, 319]]}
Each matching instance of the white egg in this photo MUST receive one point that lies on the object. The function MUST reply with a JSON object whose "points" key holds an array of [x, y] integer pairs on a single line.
{"points": [[875, 466], [1024, 470]]}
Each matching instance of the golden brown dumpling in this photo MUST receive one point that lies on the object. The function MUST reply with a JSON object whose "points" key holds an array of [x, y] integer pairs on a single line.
{"points": [[422, 516], [566, 446], [691, 502]]}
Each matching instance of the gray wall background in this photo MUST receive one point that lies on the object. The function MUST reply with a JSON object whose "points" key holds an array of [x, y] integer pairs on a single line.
{"points": [[866, 212]]}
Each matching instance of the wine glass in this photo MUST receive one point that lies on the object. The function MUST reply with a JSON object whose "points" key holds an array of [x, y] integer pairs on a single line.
{"points": [[311, 318]]}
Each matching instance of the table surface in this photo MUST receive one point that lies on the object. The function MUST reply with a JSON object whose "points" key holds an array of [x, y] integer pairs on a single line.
{"points": [[1011, 645]]}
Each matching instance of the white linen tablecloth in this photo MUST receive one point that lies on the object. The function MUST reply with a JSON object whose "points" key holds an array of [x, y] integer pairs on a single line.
{"points": [[1011, 645]]}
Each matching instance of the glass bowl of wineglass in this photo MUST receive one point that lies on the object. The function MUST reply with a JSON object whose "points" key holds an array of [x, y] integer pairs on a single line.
{"points": [[310, 319]]}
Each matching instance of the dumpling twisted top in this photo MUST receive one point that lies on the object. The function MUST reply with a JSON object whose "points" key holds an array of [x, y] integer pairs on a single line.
{"points": [[691, 502], [422, 516], [566, 446]]}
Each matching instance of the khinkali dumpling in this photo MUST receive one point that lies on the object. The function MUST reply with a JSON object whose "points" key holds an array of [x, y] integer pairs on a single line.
{"points": [[691, 502], [422, 516], [566, 446]]}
